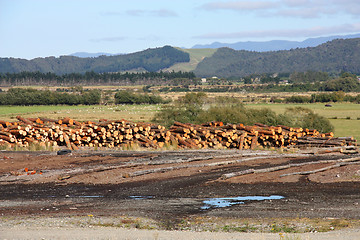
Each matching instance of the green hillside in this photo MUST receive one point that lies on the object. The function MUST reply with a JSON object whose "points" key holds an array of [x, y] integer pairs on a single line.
{"points": [[150, 60], [196, 56], [334, 56]]}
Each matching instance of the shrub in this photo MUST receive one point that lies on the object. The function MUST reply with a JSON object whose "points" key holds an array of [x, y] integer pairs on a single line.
{"points": [[306, 118], [232, 111], [186, 109], [126, 97], [297, 99]]}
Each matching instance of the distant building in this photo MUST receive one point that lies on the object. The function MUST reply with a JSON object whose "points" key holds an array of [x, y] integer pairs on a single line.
{"points": [[284, 82], [203, 80]]}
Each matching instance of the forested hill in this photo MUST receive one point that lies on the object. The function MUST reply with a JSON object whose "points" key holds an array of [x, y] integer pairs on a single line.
{"points": [[151, 60], [334, 56]]}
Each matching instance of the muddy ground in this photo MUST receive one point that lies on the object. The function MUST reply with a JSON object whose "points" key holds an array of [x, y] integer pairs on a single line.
{"points": [[168, 187]]}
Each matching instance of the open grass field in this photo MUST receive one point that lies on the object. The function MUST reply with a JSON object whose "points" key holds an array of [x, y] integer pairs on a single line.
{"points": [[344, 116], [136, 113]]}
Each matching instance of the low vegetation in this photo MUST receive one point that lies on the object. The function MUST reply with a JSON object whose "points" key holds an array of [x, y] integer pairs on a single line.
{"points": [[191, 109], [324, 98], [126, 97], [29, 96]]}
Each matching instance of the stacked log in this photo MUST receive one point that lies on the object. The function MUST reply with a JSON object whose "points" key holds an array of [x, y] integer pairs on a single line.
{"points": [[259, 135], [121, 133], [73, 134]]}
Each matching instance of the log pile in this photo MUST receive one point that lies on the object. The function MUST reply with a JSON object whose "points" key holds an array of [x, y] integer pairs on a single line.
{"points": [[217, 135], [121, 133]]}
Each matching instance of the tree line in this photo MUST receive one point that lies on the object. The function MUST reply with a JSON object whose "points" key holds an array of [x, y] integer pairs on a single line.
{"points": [[75, 96], [324, 98], [93, 78], [29, 96]]}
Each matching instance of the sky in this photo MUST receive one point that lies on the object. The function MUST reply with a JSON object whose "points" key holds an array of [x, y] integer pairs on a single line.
{"points": [[42, 28]]}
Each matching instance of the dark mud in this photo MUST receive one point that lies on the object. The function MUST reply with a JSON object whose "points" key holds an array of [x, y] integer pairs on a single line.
{"points": [[181, 197], [169, 197]]}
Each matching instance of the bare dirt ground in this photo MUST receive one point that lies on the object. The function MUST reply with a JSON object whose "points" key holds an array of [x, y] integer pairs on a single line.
{"points": [[171, 190]]}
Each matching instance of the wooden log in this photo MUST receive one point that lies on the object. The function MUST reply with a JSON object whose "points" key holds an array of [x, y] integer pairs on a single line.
{"points": [[179, 129], [188, 126], [282, 167], [254, 142], [24, 120], [5, 133], [320, 169], [5, 124], [149, 142], [68, 121], [8, 138]]}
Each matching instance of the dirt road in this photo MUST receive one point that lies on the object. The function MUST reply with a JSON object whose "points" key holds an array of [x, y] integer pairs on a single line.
{"points": [[121, 233]]}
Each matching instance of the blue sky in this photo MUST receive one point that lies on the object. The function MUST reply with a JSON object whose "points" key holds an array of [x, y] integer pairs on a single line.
{"points": [[41, 28]]}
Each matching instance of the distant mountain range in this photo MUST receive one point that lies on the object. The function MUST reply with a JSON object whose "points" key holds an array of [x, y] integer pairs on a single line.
{"points": [[150, 60], [332, 57], [275, 45]]}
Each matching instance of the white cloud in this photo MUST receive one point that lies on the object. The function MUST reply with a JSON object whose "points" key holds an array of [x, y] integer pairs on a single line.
{"points": [[135, 13], [296, 3], [289, 8], [239, 5], [164, 13], [300, 13], [286, 33]]}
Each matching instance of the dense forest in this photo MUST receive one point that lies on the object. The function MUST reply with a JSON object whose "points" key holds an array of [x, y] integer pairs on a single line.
{"points": [[92, 78], [151, 60], [331, 57]]}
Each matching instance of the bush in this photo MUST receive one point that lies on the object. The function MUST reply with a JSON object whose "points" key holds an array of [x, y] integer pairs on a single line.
{"points": [[229, 110], [186, 109], [126, 97], [306, 118], [297, 99]]}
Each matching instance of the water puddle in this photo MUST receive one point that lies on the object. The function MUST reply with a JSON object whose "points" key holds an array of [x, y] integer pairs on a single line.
{"points": [[141, 197], [229, 201]]}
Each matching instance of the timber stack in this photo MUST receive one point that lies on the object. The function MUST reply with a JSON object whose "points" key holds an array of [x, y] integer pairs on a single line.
{"points": [[124, 134]]}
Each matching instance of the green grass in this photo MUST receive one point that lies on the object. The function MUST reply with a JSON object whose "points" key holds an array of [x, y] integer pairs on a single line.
{"points": [[81, 113], [196, 56], [338, 115]]}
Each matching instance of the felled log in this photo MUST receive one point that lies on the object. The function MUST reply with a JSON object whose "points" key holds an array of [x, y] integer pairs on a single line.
{"points": [[282, 167], [24, 120], [320, 169]]}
